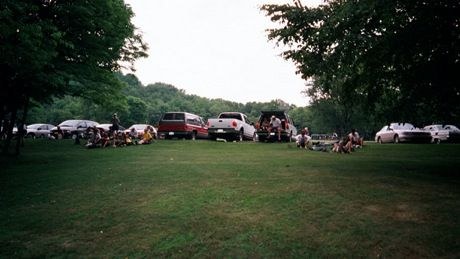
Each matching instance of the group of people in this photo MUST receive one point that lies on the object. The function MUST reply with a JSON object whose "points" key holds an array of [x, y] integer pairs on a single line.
{"points": [[116, 138], [348, 143], [274, 125]]}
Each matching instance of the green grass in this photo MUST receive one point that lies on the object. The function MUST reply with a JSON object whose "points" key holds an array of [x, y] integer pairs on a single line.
{"points": [[211, 199]]}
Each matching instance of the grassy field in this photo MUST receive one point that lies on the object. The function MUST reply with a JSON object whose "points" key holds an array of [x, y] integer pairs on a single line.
{"points": [[211, 199]]}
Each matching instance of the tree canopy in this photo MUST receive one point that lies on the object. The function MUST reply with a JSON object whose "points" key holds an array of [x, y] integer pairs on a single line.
{"points": [[54, 48], [392, 60]]}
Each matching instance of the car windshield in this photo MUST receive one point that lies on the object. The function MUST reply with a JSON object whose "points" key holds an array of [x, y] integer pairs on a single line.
{"points": [[139, 126], [403, 126], [173, 116], [69, 123], [433, 127], [230, 116], [34, 126], [451, 127]]}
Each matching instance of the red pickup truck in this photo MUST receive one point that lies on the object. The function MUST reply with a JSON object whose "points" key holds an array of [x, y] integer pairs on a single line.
{"points": [[182, 125]]}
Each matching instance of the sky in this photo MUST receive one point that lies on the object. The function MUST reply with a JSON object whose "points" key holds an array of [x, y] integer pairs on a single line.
{"points": [[215, 49]]}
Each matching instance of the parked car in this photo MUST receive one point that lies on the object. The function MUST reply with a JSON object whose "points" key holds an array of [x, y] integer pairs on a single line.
{"points": [[106, 127], [454, 133], [74, 128], [402, 132], [39, 130], [288, 130], [140, 130], [438, 133], [231, 125], [182, 125]]}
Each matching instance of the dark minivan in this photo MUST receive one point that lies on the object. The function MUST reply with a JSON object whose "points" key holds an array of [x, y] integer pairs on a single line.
{"points": [[288, 130], [182, 125]]}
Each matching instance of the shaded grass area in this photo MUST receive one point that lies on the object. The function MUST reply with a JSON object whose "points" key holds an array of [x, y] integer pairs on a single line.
{"points": [[212, 199]]}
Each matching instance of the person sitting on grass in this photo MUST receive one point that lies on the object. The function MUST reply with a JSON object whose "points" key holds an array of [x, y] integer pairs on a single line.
{"points": [[128, 140], [302, 139], [147, 137], [343, 146], [105, 139], [95, 140], [356, 141]]}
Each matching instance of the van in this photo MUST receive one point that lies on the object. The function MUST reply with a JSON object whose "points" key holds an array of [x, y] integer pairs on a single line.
{"points": [[182, 125], [288, 130]]}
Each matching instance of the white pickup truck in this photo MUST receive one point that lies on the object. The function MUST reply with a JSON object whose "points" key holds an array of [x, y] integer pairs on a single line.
{"points": [[231, 126]]}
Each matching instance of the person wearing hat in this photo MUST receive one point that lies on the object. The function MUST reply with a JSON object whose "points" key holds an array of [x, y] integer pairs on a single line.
{"points": [[275, 124], [115, 127], [115, 123]]}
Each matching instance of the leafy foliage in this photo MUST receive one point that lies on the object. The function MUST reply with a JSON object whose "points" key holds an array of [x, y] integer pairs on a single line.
{"points": [[385, 59], [55, 48], [146, 104]]}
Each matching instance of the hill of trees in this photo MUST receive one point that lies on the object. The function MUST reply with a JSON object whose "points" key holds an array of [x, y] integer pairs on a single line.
{"points": [[146, 103]]}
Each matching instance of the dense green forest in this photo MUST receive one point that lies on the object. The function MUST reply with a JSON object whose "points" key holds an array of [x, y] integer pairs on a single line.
{"points": [[145, 104]]}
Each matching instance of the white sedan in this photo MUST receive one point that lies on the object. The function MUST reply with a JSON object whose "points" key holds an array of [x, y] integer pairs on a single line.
{"points": [[438, 133], [39, 130], [402, 132]]}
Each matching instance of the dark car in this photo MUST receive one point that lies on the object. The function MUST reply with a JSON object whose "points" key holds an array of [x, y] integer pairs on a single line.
{"points": [[182, 125], [74, 128], [288, 130]]}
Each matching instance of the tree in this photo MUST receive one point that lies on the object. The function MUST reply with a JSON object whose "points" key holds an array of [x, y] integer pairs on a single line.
{"points": [[361, 53], [54, 48]]}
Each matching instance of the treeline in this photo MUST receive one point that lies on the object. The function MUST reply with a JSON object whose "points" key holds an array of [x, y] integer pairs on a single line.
{"points": [[140, 103], [146, 103]]}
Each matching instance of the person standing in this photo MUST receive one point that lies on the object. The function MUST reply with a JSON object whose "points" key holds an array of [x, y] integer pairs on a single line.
{"points": [[115, 127], [115, 123]]}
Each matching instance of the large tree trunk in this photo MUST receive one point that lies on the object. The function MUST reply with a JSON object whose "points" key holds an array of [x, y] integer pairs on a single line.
{"points": [[21, 133], [9, 131]]}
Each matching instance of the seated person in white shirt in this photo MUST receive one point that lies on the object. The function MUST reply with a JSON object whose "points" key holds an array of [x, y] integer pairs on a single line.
{"points": [[302, 139]]}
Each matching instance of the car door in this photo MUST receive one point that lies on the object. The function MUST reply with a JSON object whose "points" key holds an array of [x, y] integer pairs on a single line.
{"points": [[249, 129], [202, 129], [42, 130], [387, 134]]}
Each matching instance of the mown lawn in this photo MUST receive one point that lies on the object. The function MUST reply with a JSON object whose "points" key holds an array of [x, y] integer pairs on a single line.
{"points": [[211, 199]]}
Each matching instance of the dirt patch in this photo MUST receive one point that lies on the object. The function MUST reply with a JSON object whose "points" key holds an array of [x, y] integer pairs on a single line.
{"points": [[397, 212]]}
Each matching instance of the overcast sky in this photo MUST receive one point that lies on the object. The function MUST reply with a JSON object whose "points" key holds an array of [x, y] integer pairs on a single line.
{"points": [[215, 49]]}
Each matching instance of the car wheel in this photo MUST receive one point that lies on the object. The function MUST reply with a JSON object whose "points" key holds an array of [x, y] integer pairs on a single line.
{"points": [[379, 140], [396, 139], [193, 135], [30, 135], [241, 136], [437, 141]]}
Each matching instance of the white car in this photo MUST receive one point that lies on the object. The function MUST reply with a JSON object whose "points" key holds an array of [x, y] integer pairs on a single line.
{"points": [[402, 132], [140, 130], [438, 133], [454, 133], [39, 130], [106, 127]]}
